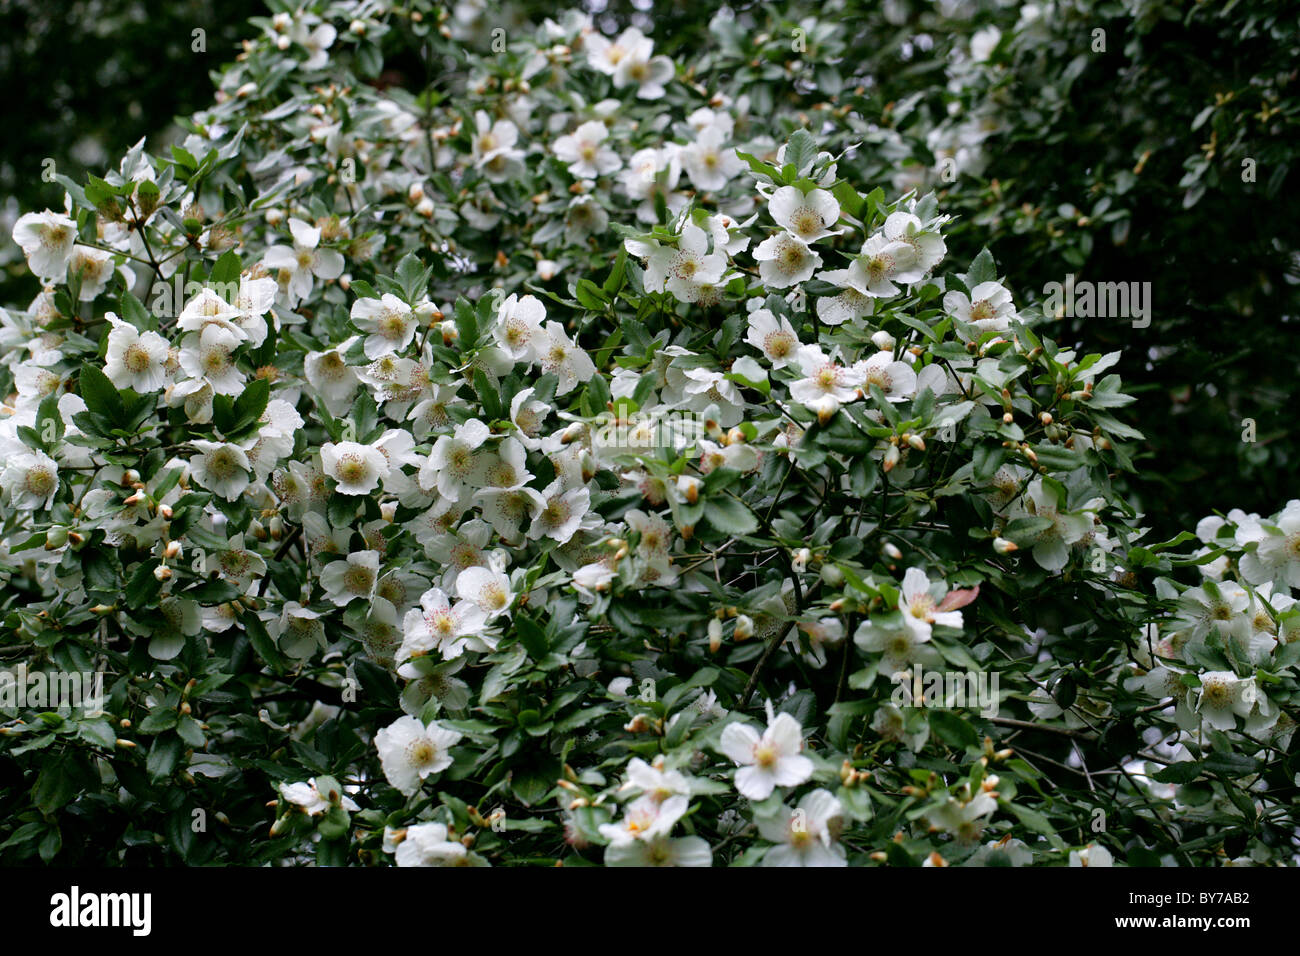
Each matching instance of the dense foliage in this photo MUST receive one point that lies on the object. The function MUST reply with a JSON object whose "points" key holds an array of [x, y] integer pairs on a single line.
{"points": [[497, 441]]}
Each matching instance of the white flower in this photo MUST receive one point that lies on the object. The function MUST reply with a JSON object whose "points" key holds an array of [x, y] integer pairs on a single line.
{"points": [[316, 42], [989, 307], [1276, 556], [1222, 696], [561, 356], [628, 60], [562, 514], [1008, 851], [30, 478], [768, 760], [709, 165], [354, 577], [329, 373], [645, 818], [1052, 544], [298, 265], [885, 260], [805, 836], [95, 267], [311, 800], [982, 43], [648, 73], [785, 260], [486, 587], [47, 239], [253, 301], [357, 468], [1091, 855], [208, 308], [429, 844], [806, 216], [453, 460], [134, 359], [583, 151], [208, 357], [221, 468], [493, 148], [518, 329], [409, 752], [857, 301], [898, 644], [928, 246], [920, 610], [660, 851], [594, 578], [389, 321], [439, 625], [299, 630], [964, 819], [824, 377], [896, 379]]}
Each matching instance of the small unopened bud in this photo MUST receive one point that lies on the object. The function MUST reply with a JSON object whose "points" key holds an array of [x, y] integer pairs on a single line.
{"points": [[1007, 418], [799, 560], [1045, 418], [917, 442], [1004, 546], [715, 635], [172, 551], [162, 572], [891, 550], [689, 487], [883, 341], [637, 725], [744, 627], [166, 512], [891, 458]]}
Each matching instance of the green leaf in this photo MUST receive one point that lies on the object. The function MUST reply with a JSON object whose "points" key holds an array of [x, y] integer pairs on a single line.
{"points": [[1185, 771], [532, 636], [100, 396], [226, 269], [163, 757], [982, 269], [801, 151], [729, 516]]}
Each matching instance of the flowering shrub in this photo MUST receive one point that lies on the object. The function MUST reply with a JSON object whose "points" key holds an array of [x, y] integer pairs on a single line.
{"points": [[560, 461]]}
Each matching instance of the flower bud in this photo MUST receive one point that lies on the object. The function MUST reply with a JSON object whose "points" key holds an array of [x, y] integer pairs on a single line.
{"points": [[1003, 546], [744, 627], [891, 458], [883, 341], [715, 635], [689, 487]]}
